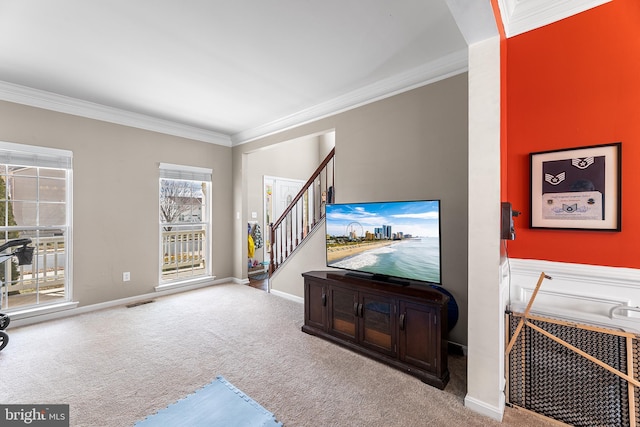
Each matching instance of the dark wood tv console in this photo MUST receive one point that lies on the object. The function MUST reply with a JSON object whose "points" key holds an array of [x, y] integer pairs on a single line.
{"points": [[404, 326]]}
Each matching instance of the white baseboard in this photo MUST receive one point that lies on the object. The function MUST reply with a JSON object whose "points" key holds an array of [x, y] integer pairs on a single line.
{"points": [[287, 296], [493, 412]]}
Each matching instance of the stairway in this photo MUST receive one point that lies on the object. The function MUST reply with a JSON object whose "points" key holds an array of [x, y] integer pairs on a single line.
{"points": [[303, 215]]}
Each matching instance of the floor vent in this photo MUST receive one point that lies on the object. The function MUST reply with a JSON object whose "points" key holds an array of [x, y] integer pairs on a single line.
{"points": [[573, 373], [136, 304]]}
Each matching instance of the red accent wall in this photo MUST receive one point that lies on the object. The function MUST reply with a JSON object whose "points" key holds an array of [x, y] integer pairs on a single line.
{"points": [[576, 83]]}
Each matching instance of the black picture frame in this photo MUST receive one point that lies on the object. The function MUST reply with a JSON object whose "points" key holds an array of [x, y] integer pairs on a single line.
{"points": [[576, 188]]}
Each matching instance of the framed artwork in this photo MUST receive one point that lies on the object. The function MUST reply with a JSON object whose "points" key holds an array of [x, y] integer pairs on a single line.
{"points": [[576, 188]]}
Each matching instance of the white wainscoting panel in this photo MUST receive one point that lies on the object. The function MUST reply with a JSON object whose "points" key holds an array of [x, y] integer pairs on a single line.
{"points": [[591, 294]]}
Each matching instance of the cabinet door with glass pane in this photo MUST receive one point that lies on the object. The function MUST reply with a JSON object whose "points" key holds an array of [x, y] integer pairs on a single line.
{"points": [[377, 323], [343, 310]]}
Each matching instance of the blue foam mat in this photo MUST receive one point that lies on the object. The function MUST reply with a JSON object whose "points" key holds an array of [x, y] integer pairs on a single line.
{"points": [[219, 403]]}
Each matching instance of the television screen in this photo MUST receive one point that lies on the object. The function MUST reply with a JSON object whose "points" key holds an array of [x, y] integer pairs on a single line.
{"points": [[386, 239]]}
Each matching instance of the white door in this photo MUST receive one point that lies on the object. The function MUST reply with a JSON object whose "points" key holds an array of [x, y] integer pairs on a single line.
{"points": [[278, 194]]}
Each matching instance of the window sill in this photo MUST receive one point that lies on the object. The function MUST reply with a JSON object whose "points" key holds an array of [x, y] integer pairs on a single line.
{"points": [[38, 314]]}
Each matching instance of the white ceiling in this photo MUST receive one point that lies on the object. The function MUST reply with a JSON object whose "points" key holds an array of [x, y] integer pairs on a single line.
{"points": [[228, 70]]}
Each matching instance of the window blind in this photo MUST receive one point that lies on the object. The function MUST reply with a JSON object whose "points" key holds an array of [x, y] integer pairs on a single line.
{"points": [[193, 173], [28, 155]]}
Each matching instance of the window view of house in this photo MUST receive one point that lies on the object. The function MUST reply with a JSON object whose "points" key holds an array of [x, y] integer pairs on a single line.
{"points": [[184, 226], [33, 204]]}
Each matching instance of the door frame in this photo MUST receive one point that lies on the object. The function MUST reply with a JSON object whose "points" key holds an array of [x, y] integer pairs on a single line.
{"points": [[270, 201]]}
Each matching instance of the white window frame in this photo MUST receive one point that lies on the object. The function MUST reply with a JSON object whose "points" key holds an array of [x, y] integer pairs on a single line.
{"points": [[46, 157], [174, 171]]}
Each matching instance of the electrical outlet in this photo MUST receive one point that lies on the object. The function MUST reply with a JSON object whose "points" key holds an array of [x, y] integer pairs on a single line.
{"points": [[126, 276]]}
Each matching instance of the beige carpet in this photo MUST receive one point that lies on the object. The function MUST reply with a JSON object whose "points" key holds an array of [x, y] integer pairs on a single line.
{"points": [[116, 366]]}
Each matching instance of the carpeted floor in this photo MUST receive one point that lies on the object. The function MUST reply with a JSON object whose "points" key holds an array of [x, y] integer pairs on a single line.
{"points": [[115, 367]]}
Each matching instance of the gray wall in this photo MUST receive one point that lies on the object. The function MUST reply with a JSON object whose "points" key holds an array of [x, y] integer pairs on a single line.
{"points": [[410, 146], [115, 196]]}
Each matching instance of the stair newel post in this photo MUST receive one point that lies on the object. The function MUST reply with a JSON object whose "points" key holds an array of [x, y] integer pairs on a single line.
{"points": [[272, 250]]}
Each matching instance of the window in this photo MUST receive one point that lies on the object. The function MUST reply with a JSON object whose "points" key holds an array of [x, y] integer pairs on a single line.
{"points": [[184, 206], [35, 195]]}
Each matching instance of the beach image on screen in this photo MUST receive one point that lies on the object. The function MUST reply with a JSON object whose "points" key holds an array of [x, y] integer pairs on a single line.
{"points": [[400, 239]]}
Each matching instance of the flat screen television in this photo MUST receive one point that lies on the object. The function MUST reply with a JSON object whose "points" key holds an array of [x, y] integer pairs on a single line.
{"points": [[388, 241]]}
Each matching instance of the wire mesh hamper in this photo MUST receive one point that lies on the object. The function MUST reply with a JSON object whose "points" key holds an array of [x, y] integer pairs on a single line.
{"points": [[581, 375]]}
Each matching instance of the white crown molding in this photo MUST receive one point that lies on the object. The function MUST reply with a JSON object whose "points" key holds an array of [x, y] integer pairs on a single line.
{"points": [[64, 104], [520, 16], [450, 65], [475, 19]]}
